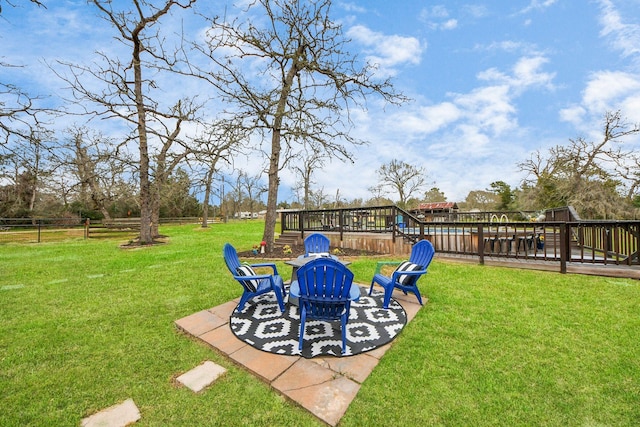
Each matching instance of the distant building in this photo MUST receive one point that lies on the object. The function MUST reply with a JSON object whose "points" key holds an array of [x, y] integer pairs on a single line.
{"points": [[436, 211], [246, 215]]}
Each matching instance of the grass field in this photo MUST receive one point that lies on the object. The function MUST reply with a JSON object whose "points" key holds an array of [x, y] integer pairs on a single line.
{"points": [[85, 325]]}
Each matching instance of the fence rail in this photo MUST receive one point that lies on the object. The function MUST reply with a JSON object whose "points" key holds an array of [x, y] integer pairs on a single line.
{"points": [[36, 230]]}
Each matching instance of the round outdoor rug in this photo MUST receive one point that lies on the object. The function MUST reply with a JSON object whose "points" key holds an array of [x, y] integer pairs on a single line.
{"points": [[263, 326]]}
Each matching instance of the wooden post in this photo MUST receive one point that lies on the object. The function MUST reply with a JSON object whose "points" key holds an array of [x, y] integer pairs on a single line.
{"points": [[481, 242], [565, 246]]}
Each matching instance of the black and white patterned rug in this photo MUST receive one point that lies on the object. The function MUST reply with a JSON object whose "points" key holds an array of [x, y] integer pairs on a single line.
{"points": [[263, 326]]}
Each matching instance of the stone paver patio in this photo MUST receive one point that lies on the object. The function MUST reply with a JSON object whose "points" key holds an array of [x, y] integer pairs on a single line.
{"points": [[325, 386]]}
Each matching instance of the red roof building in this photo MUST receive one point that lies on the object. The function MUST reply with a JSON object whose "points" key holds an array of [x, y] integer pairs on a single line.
{"points": [[438, 207], [436, 211]]}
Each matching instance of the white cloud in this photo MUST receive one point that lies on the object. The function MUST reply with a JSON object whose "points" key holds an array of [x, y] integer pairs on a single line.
{"points": [[608, 88], [428, 119], [437, 18], [626, 37], [526, 73], [436, 11], [475, 10], [351, 7], [511, 46], [450, 24], [605, 91], [489, 108], [387, 51], [538, 5], [572, 114]]}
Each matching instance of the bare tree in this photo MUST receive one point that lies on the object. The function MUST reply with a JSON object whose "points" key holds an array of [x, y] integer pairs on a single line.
{"points": [[217, 143], [36, 2], [17, 114], [172, 152], [20, 118], [306, 83], [586, 174], [311, 159], [31, 166], [127, 94], [403, 178], [88, 177], [99, 173], [319, 198], [253, 187]]}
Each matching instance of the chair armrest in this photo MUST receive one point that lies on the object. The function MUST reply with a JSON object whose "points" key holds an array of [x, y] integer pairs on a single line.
{"points": [[383, 263], [267, 264], [294, 289], [395, 275], [256, 277]]}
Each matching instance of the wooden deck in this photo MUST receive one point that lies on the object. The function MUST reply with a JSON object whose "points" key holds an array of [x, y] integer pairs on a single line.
{"points": [[546, 259], [608, 270]]}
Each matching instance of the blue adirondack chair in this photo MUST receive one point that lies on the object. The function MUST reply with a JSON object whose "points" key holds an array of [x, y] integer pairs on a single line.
{"points": [[316, 243], [324, 294], [252, 283], [406, 275]]}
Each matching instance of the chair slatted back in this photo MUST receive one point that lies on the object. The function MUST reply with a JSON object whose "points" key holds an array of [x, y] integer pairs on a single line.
{"points": [[231, 258], [316, 243], [422, 253], [324, 288]]}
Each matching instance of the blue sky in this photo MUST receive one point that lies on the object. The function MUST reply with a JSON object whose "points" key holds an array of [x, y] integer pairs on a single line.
{"points": [[490, 81]]}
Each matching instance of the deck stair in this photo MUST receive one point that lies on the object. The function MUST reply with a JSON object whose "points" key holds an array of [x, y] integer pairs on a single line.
{"points": [[291, 238]]}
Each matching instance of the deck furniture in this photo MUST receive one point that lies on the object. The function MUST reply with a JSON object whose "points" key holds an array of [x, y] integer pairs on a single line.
{"points": [[406, 275], [325, 285], [316, 243], [253, 284]]}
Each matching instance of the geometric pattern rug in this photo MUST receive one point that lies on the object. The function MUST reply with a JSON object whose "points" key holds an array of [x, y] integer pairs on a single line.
{"points": [[263, 326]]}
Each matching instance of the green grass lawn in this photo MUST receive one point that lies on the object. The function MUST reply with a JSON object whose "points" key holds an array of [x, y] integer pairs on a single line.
{"points": [[85, 325]]}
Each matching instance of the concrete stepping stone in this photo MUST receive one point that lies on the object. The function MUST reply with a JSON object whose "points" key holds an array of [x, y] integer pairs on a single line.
{"points": [[120, 415], [11, 287], [201, 376]]}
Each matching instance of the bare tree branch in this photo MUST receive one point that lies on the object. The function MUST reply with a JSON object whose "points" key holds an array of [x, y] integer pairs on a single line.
{"points": [[290, 81]]}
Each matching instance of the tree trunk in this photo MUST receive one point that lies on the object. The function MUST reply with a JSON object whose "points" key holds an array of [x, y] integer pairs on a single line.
{"points": [[272, 198], [274, 161], [207, 194], [146, 236], [155, 210]]}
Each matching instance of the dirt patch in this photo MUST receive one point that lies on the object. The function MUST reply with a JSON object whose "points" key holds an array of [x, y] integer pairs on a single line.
{"points": [[135, 243]]}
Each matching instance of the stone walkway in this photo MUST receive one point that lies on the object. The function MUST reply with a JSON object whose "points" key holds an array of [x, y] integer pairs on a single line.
{"points": [[325, 386]]}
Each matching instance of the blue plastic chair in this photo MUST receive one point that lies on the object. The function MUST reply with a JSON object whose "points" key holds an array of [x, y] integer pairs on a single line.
{"points": [[316, 243], [257, 284], [407, 281], [324, 294]]}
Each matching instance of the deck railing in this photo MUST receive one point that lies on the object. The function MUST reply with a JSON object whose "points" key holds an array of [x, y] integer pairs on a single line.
{"points": [[597, 242]]}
